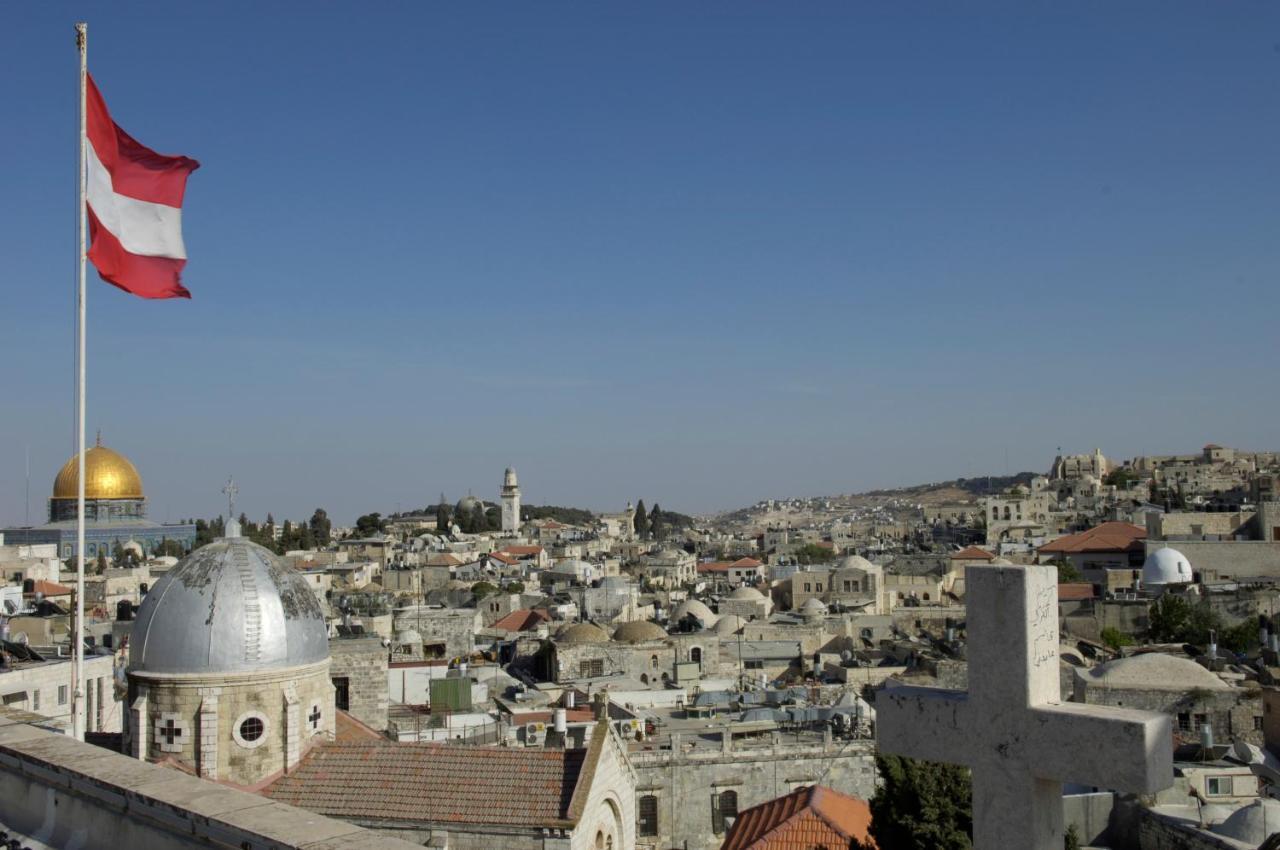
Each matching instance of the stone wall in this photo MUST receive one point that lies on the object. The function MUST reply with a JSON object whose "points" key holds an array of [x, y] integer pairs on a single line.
{"points": [[684, 779], [457, 627], [363, 663], [67, 794], [46, 689], [1160, 832], [1236, 559]]}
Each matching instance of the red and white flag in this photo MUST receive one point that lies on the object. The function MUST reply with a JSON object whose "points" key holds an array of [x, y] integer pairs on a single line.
{"points": [[135, 208]]}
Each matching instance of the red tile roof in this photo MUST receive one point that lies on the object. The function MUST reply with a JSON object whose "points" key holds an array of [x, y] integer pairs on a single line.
{"points": [[435, 784], [444, 560], [349, 730], [747, 563], [1108, 537], [809, 818], [972, 553], [571, 715], [521, 620], [510, 560], [1075, 591], [714, 567], [49, 588], [523, 550]]}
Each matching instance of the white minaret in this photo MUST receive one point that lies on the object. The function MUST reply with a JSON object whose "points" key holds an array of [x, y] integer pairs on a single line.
{"points": [[510, 502]]}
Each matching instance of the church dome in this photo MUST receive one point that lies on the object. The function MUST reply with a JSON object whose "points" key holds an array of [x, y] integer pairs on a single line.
{"points": [[1166, 566], [638, 631], [228, 607], [582, 633], [107, 475]]}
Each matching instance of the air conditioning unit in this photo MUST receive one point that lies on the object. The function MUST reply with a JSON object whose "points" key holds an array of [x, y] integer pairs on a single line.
{"points": [[535, 734]]}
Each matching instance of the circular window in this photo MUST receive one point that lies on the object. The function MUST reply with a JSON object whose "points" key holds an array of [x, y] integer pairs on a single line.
{"points": [[250, 730]]}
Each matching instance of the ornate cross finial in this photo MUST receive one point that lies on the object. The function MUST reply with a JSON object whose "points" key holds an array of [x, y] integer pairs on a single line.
{"points": [[98, 442], [230, 489]]}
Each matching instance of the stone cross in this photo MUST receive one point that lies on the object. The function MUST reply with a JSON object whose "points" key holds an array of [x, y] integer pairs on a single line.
{"points": [[230, 490], [1011, 728]]}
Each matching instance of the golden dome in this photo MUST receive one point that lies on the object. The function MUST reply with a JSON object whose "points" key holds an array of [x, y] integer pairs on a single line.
{"points": [[108, 475]]}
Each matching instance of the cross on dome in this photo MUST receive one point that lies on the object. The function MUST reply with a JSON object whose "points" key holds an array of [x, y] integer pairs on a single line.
{"points": [[1011, 727]]}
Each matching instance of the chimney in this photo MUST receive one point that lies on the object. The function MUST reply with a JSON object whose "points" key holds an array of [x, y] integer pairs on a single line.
{"points": [[570, 697], [561, 721]]}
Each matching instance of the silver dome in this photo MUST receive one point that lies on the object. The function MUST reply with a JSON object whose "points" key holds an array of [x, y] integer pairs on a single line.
{"points": [[228, 607]]}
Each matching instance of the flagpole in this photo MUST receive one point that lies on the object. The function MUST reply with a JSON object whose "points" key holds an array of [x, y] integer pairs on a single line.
{"points": [[77, 660]]}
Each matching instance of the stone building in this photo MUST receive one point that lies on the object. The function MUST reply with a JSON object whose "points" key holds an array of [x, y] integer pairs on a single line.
{"points": [[746, 602], [668, 568], [358, 670], [639, 651], [1192, 695], [42, 686], [451, 630], [689, 791], [510, 496], [855, 584], [228, 669]]}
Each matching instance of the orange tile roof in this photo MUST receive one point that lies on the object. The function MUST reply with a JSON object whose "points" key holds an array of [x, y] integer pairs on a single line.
{"points": [[714, 567], [523, 550], [972, 553], [510, 560], [747, 562], [812, 817], [443, 560], [349, 730], [390, 781], [1108, 537], [571, 715], [49, 588], [521, 620]]}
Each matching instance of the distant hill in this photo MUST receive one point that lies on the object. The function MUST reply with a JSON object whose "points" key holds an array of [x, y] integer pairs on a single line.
{"points": [[957, 489], [569, 516]]}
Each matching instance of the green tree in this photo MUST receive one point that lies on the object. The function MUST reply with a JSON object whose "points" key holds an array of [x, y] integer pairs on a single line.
{"points": [[479, 520], [101, 566], [172, 548], [514, 587], [204, 534], [657, 523], [1115, 638], [320, 528], [1071, 841], [642, 521], [370, 524], [1067, 574], [481, 589], [812, 553], [1120, 478], [442, 517], [920, 806]]}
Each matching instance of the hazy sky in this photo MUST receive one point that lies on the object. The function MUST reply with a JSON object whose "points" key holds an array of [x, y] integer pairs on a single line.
{"points": [[695, 253]]}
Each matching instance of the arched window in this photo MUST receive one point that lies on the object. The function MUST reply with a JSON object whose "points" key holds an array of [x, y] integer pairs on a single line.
{"points": [[644, 678], [723, 807], [695, 655], [653, 661], [647, 815]]}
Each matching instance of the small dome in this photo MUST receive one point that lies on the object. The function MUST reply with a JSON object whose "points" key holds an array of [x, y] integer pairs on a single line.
{"points": [[1253, 823], [1152, 671], [747, 594], [814, 605], [467, 505], [107, 475], [228, 607], [857, 562], [582, 633], [408, 636], [697, 610], [729, 624], [1166, 566], [638, 631], [670, 554], [1001, 562]]}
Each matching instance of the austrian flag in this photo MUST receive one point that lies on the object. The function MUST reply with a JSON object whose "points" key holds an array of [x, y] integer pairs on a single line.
{"points": [[135, 207]]}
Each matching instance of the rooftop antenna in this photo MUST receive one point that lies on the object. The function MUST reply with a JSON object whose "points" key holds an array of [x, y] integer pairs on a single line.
{"points": [[26, 516]]}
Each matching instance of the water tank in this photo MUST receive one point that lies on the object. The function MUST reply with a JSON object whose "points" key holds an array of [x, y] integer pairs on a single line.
{"points": [[124, 611], [561, 721]]}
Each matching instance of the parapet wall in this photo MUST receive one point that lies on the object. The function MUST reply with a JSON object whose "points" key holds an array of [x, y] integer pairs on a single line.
{"points": [[67, 794]]}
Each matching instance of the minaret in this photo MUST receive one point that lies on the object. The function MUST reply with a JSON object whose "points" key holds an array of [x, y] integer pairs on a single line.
{"points": [[510, 502]]}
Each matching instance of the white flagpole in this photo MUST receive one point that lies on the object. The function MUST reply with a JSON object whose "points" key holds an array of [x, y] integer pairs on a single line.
{"points": [[77, 662]]}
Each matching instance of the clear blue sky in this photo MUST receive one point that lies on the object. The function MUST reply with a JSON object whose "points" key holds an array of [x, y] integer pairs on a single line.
{"points": [[698, 254]]}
